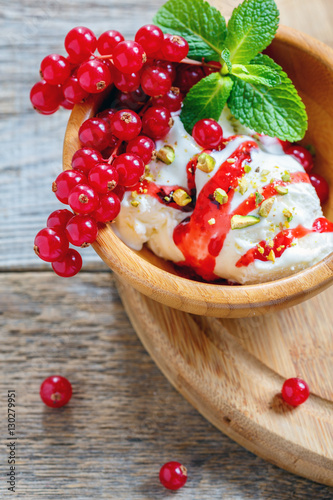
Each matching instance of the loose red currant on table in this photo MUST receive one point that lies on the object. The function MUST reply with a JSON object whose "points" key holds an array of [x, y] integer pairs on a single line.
{"points": [[46, 98], [94, 76], [108, 40], [126, 124], [128, 56], [56, 391], [126, 82], [141, 146], [95, 133], [50, 244], [85, 159], [150, 37], [72, 90], [69, 266], [173, 475], [130, 168], [295, 391], [109, 207], [83, 199], [58, 219], [207, 133], [156, 122], [302, 155], [155, 81], [103, 178], [55, 69], [65, 182], [80, 43], [174, 48], [171, 100], [321, 186], [81, 230]]}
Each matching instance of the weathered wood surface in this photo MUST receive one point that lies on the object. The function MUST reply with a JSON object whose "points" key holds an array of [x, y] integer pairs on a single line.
{"points": [[124, 419]]}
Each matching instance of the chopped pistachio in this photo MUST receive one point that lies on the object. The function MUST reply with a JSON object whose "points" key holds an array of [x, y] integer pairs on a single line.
{"points": [[264, 179], [243, 185], [231, 160], [181, 197], [247, 169], [134, 194], [271, 256], [240, 221], [264, 172], [288, 215], [287, 225], [166, 154], [211, 221], [135, 203], [260, 249], [257, 169], [167, 199], [259, 198], [220, 196], [270, 243], [281, 190], [266, 206], [286, 177], [206, 163]]}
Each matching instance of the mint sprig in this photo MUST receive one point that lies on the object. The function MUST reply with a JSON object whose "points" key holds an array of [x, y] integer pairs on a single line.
{"points": [[258, 92], [199, 23]]}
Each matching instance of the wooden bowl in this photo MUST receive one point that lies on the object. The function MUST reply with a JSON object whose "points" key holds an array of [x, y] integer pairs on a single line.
{"points": [[309, 63]]}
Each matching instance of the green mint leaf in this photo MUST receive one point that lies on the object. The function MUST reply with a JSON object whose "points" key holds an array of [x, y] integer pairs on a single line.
{"points": [[275, 111], [251, 29], [225, 57], [206, 100], [199, 23], [257, 74]]}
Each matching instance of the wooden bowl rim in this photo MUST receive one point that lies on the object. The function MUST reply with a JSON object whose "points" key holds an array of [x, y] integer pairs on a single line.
{"points": [[182, 293]]}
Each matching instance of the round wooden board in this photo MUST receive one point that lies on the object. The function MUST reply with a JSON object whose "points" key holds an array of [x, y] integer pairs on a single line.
{"points": [[232, 371]]}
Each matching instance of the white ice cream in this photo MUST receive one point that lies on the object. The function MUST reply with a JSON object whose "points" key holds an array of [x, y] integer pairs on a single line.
{"points": [[151, 222]]}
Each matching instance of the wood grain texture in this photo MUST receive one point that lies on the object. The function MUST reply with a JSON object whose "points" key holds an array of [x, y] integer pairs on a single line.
{"points": [[124, 419], [232, 371]]}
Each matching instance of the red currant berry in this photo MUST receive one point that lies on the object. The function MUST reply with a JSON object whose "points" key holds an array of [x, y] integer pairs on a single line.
{"points": [[213, 67], [169, 66], [207, 133], [94, 76], [188, 76], [109, 207], [174, 48], [80, 43], [66, 104], [295, 391], [129, 56], [85, 159], [130, 168], [126, 82], [150, 37], [58, 219], [321, 186], [103, 178], [126, 124], [50, 244], [155, 81], [46, 98], [94, 133], [107, 42], [83, 199], [173, 475], [72, 90], [56, 391], [81, 230], [107, 114], [141, 146], [156, 122], [55, 69], [65, 182], [69, 266], [119, 191], [131, 100], [172, 100], [302, 155]]}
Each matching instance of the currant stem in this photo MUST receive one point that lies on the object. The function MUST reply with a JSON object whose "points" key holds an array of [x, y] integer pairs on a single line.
{"points": [[115, 151], [187, 60], [148, 103]]}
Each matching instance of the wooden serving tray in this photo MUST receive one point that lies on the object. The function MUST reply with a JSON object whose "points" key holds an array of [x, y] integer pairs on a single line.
{"points": [[232, 371]]}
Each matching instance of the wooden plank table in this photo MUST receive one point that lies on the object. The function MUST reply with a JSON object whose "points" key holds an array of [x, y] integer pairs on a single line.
{"points": [[124, 419]]}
